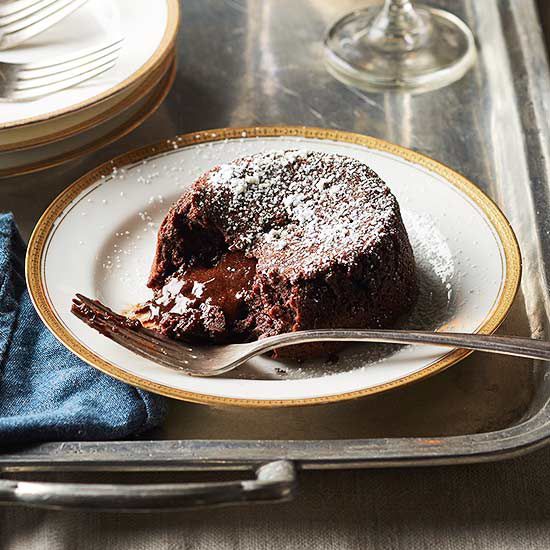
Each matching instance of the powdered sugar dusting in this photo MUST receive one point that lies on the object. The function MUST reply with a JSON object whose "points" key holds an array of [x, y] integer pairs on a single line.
{"points": [[198, 289], [181, 304], [299, 210], [170, 290]]}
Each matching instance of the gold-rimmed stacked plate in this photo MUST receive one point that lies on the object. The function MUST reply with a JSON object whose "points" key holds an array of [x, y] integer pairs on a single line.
{"points": [[60, 127]]}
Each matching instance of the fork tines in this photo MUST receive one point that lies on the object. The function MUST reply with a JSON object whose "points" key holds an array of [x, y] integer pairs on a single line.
{"points": [[130, 333], [28, 81], [23, 19]]}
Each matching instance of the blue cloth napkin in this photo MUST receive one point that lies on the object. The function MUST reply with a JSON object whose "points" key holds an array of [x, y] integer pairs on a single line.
{"points": [[46, 392]]}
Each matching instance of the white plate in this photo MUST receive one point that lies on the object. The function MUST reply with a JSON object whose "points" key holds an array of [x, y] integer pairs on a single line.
{"points": [[51, 154], [148, 36], [467, 257]]}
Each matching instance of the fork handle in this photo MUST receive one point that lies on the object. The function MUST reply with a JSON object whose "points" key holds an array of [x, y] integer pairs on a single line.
{"points": [[505, 345]]}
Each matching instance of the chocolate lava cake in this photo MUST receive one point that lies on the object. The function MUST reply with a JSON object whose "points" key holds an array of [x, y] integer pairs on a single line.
{"points": [[279, 242]]}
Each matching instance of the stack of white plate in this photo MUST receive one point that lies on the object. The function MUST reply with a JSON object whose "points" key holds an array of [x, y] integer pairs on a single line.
{"points": [[57, 128]]}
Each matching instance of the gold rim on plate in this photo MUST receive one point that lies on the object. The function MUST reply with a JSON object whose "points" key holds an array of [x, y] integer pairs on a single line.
{"points": [[159, 56], [139, 91], [136, 120], [42, 231]]}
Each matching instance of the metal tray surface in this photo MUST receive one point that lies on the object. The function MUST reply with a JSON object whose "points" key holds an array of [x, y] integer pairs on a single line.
{"points": [[260, 62]]}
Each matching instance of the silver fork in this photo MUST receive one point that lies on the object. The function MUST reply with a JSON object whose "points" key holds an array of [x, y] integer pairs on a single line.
{"points": [[25, 81], [215, 360], [23, 19]]}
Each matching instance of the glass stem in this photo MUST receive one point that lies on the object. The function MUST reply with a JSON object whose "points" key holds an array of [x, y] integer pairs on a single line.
{"points": [[399, 27]]}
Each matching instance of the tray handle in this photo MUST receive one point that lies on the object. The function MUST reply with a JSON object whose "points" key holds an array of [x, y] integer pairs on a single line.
{"points": [[275, 481]]}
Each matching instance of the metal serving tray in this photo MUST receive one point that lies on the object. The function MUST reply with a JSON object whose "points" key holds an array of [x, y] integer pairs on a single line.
{"points": [[260, 62]]}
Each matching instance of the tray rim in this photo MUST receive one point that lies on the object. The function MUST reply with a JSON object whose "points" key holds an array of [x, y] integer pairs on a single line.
{"points": [[517, 440], [39, 240], [194, 455]]}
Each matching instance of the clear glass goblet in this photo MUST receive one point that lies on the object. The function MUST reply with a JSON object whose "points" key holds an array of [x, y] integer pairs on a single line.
{"points": [[399, 46]]}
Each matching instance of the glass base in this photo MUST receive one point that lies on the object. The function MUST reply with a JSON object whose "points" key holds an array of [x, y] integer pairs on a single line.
{"points": [[355, 59]]}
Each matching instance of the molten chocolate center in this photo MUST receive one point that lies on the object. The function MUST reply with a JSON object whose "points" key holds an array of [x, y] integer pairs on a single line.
{"points": [[223, 285], [207, 298]]}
